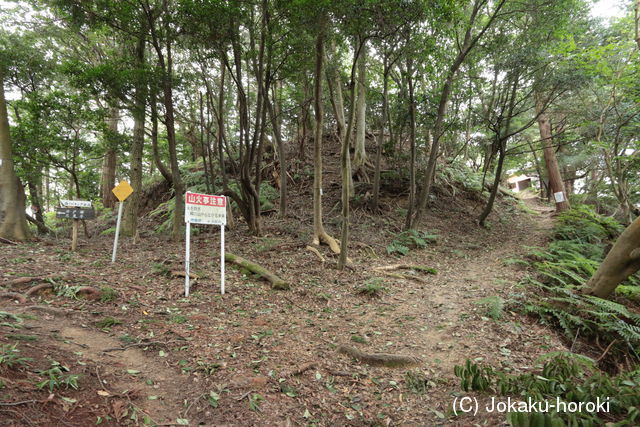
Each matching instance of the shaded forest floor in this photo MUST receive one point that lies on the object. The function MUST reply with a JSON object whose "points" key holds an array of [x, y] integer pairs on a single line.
{"points": [[256, 356]]}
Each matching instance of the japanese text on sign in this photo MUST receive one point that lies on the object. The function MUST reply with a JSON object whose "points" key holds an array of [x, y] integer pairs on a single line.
{"points": [[205, 209]]}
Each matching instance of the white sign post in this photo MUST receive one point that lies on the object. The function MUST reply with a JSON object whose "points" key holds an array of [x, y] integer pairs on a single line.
{"points": [[204, 209]]}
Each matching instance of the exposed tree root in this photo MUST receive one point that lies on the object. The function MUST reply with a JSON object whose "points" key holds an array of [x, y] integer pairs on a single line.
{"points": [[304, 368], [34, 290], [20, 281], [317, 252], [323, 237], [379, 359], [22, 299], [49, 310], [276, 282]]}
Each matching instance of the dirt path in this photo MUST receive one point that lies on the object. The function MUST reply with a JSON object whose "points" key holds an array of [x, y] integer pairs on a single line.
{"points": [[234, 359]]}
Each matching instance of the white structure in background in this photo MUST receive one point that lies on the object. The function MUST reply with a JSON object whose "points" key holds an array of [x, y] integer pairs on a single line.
{"points": [[519, 182]]}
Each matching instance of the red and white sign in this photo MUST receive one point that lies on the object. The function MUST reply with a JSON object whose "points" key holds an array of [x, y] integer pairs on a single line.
{"points": [[205, 209]]}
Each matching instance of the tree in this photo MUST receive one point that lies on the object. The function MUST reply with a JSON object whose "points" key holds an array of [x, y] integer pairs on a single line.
{"points": [[13, 221], [470, 39]]}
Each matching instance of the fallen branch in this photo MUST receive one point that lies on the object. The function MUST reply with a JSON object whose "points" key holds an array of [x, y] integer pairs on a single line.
{"points": [[14, 296], [276, 282], [139, 344], [421, 268], [379, 359], [7, 241], [24, 402]]}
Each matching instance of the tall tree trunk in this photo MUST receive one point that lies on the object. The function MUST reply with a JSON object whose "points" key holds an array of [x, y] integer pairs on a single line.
{"points": [[132, 207], [555, 178], [13, 220], [282, 155], [334, 79], [375, 201], [360, 153], [109, 162], [319, 233], [412, 143]]}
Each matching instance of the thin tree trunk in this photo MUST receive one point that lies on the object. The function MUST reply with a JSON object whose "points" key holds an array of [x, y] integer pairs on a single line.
{"points": [[380, 140], [109, 162], [555, 178], [132, 206], [157, 160], [412, 143], [334, 79], [319, 233], [360, 153], [468, 44]]}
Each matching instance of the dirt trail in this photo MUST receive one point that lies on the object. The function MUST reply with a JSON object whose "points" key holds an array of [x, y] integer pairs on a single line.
{"points": [[244, 346]]}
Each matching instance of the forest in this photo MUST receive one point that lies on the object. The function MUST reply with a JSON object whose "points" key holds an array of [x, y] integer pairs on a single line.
{"points": [[319, 212]]}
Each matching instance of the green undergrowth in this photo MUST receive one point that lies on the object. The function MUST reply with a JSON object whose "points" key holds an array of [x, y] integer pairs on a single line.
{"points": [[581, 238], [607, 331], [565, 378], [405, 242]]}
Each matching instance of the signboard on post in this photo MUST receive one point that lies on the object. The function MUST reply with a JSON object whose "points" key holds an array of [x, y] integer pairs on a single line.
{"points": [[75, 203], [76, 210], [75, 213], [204, 209], [121, 191]]}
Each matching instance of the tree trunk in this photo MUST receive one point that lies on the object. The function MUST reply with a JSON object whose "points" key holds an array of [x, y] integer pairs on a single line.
{"points": [[468, 44], [335, 90], [110, 159], [319, 233], [412, 143], [130, 220], [282, 155], [157, 160], [555, 178], [13, 221], [496, 183], [622, 261], [375, 202], [360, 153], [36, 204]]}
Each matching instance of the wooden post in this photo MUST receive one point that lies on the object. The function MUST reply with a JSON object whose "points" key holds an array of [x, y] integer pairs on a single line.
{"points": [[74, 235]]}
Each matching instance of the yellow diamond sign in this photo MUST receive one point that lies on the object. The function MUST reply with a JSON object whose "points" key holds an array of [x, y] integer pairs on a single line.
{"points": [[122, 190]]}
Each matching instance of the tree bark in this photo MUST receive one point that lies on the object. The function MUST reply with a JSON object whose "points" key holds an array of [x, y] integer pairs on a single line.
{"points": [[130, 220], [109, 162], [622, 261], [319, 233], [555, 178], [13, 222], [335, 91], [360, 153]]}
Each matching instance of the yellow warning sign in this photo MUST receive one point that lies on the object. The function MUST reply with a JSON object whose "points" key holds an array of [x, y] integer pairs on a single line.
{"points": [[122, 190]]}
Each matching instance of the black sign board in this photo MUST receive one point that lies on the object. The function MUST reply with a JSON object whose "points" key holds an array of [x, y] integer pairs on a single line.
{"points": [[75, 213]]}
